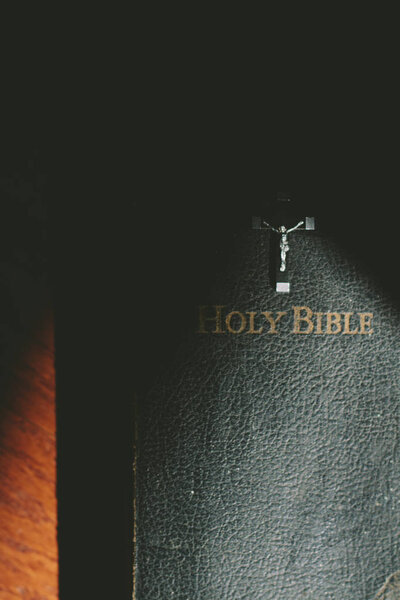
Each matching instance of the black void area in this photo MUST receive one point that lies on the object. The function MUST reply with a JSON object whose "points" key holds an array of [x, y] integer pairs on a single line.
{"points": [[95, 372]]}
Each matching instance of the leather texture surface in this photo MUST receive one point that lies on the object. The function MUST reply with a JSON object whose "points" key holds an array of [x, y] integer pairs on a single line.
{"points": [[268, 465]]}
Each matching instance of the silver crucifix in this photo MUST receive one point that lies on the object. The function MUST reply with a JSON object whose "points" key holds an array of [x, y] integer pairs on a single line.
{"points": [[284, 244], [281, 275]]}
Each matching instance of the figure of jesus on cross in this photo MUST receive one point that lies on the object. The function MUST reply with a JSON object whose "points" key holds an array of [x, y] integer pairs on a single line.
{"points": [[284, 244], [280, 211]]}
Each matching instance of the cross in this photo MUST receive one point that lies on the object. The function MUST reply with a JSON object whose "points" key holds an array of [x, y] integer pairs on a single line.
{"points": [[284, 223]]}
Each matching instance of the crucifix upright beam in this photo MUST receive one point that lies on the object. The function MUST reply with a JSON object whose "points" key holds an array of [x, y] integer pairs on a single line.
{"points": [[282, 221]]}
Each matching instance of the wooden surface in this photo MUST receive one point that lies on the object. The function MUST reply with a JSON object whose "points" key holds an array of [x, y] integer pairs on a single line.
{"points": [[28, 507], [28, 548], [48, 251]]}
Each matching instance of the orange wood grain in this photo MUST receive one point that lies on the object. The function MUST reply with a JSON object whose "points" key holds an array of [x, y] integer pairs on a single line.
{"points": [[28, 508]]}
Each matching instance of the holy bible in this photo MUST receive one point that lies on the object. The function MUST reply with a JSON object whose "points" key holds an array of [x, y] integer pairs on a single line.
{"points": [[268, 456]]}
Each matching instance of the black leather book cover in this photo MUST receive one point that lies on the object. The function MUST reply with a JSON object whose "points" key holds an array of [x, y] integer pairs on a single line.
{"points": [[267, 435]]}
